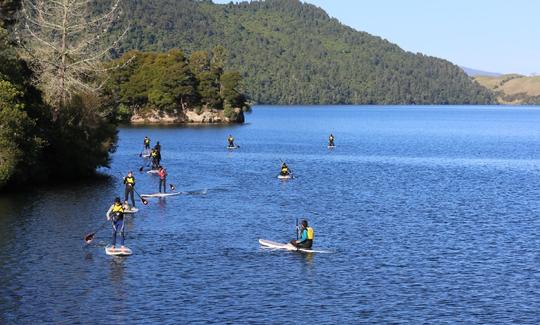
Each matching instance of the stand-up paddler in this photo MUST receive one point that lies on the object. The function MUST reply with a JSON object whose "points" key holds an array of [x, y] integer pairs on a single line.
{"points": [[115, 214]]}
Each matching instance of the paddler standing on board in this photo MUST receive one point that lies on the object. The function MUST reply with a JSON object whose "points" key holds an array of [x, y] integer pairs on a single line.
{"points": [[162, 179], [146, 143], [306, 237], [154, 157], [115, 214], [331, 140], [129, 182], [230, 139]]}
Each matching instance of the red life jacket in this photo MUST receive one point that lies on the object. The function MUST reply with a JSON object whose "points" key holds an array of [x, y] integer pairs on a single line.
{"points": [[162, 174]]}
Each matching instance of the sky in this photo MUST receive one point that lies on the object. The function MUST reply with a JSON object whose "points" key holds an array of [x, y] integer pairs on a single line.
{"points": [[491, 35]]}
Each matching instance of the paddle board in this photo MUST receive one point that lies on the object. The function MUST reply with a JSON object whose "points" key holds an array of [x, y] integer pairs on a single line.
{"points": [[331, 147], [232, 148], [284, 176], [161, 194], [289, 247], [152, 171], [132, 210], [117, 251]]}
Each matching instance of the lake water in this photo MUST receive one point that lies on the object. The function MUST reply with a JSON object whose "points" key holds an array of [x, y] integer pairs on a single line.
{"points": [[431, 214]]}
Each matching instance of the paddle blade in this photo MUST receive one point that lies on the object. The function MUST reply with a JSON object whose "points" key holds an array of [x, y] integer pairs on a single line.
{"points": [[88, 238], [172, 187], [145, 202], [141, 169]]}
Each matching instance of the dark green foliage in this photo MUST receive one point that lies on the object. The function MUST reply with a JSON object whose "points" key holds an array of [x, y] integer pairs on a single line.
{"points": [[293, 53], [81, 139], [8, 8], [170, 82], [34, 147]]}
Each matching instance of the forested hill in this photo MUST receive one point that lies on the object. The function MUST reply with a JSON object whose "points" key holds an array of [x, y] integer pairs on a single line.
{"points": [[294, 53]]}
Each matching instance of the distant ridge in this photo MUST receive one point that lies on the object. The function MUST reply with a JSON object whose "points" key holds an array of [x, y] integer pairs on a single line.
{"points": [[475, 73]]}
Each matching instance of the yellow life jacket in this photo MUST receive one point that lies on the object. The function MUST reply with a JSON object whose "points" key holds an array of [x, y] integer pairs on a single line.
{"points": [[130, 180], [284, 170], [146, 141], [118, 208], [310, 233], [154, 153]]}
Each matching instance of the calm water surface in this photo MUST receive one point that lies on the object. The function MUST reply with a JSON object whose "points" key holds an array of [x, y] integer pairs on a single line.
{"points": [[432, 215]]}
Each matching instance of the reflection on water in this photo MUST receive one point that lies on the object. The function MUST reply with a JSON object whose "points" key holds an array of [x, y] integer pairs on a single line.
{"points": [[430, 212]]}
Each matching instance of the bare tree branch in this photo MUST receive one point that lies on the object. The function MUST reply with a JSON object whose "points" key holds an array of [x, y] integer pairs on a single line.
{"points": [[67, 44]]}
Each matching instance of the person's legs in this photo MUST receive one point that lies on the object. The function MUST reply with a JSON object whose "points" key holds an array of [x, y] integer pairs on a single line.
{"points": [[114, 234], [132, 197], [122, 233], [126, 193]]}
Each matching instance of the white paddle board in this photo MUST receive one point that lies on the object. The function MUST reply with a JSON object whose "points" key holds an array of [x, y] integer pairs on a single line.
{"points": [[117, 251], [232, 148], [161, 194], [131, 211], [289, 247], [284, 176], [152, 171], [331, 147]]}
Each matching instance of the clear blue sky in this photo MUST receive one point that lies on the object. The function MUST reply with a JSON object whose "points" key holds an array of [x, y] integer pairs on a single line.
{"points": [[491, 35]]}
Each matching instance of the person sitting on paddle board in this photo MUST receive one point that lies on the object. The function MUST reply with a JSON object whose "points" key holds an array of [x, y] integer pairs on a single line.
{"points": [[284, 170], [146, 143], [306, 237], [129, 182], [116, 215], [230, 139], [162, 179], [331, 140]]}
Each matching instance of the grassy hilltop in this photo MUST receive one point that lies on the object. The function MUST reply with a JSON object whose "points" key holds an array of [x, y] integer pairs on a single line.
{"points": [[513, 88]]}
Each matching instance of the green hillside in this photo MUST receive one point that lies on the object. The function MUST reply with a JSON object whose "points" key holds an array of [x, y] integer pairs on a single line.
{"points": [[294, 53]]}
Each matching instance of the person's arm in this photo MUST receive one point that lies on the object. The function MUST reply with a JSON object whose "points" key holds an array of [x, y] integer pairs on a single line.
{"points": [[108, 215], [304, 237]]}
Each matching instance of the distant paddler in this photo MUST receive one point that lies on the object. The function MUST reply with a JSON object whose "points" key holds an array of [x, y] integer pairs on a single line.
{"points": [[162, 179], [285, 171], [146, 143], [230, 139], [331, 140], [129, 182], [154, 157], [306, 237], [115, 214], [157, 147]]}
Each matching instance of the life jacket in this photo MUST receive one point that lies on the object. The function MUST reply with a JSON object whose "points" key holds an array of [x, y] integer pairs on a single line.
{"points": [[130, 180], [146, 141], [310, 233], [117, 208], [154, 154], [284, 170], [117, 212], [162, 174]]}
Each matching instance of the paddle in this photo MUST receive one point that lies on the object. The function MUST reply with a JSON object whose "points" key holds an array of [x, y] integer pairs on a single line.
{"points": [[296, 228], [173, 188], [145, 202], [88, 238]]}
